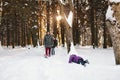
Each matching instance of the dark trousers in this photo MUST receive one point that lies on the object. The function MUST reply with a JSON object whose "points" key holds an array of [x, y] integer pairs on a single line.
{"points": [[81, 61]]}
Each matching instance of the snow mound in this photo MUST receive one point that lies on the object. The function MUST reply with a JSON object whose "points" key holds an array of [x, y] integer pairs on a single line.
{"points": [[73, 50]]}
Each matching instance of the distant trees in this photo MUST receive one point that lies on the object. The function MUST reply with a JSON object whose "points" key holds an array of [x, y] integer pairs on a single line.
{"points": [[89, 23], [100, 34], [24, 22], [19, 22]]}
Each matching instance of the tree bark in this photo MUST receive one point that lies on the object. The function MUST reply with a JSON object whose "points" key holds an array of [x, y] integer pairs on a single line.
{"points": [[114, 31], [68, 28], [92, 23], [115, 36]]}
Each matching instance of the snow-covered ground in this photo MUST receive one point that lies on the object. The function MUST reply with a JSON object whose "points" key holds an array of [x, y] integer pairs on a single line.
{"points": [[30, 64]]}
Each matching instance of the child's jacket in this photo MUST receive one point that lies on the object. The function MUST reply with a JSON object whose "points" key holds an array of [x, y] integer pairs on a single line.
{"points": [[74, 58]]}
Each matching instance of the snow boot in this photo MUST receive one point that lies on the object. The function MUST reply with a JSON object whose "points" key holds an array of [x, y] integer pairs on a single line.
{"points": [[87, 61]]}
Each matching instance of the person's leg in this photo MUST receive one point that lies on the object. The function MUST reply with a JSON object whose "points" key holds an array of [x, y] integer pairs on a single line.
{"points": [[53, 51], [81, 61], [49, 51], [46, 52], [86, 61]]}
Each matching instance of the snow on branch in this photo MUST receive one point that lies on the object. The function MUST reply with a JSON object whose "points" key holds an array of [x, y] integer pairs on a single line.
{"points": [[61, 1], [109, 14], [70, 18], [116, 1], [73, 50]]}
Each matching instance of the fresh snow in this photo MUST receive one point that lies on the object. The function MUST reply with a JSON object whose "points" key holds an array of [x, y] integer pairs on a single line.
{"points": [[70, 18], [29, 64], [114, 1], [109, 14]]}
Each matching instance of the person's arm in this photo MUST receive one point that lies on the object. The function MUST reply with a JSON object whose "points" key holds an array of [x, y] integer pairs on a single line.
{"points": [[52, 41], [70, 59]]}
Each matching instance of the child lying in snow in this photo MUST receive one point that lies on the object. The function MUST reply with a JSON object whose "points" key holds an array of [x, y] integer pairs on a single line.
{"points": [[77, 59]]}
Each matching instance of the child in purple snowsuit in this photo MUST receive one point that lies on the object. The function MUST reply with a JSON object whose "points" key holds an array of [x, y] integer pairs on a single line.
{"points": [[77, 59]]}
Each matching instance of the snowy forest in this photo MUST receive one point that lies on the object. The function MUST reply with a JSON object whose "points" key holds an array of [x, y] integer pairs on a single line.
{"points": [[25, 22], [90, 28]]}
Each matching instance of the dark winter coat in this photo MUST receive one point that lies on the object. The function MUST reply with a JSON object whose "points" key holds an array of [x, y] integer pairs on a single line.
{"points": [[74, 58], [48, 41], [55, 43]]}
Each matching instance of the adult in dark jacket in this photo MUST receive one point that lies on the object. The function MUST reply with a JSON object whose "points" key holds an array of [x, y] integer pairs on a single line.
{"points": [[77, 59], [55, 43], [48, 43]]}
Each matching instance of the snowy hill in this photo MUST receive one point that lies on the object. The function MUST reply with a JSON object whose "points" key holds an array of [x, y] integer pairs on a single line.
{"points": [[30, 64]]}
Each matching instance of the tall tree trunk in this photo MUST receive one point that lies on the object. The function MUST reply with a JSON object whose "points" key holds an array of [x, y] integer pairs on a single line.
{"points": [[62, 33], [68, 28], [114, 31], [8, 34], [115, 36], [105, 30], [92, 23], [96, 41], [48, 16]]}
